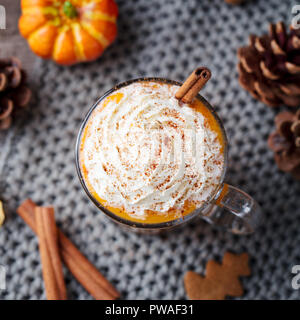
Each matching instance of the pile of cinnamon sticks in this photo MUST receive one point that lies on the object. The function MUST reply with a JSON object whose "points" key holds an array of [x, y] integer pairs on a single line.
{"points": [[56, 248]]}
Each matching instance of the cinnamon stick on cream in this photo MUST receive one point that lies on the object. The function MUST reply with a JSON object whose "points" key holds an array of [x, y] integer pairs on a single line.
{"points": [[193, 84]]}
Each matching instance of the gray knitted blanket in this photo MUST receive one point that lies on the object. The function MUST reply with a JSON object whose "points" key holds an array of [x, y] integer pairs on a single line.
{"points": [[156, 38]]}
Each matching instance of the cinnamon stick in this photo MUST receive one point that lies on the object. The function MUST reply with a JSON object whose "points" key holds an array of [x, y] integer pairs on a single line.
{"points": [[49, 251], [193, 84], [90, 278], [90, 283]]}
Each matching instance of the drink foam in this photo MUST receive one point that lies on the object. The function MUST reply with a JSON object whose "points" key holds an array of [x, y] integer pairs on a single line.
{"points": [[144, 150]]}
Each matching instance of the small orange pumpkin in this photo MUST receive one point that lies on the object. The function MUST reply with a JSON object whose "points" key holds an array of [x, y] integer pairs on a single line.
{"points": [[70, 31]]}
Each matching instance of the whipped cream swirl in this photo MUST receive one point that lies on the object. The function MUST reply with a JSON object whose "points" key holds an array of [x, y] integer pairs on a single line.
{"points": [[144, 151]]}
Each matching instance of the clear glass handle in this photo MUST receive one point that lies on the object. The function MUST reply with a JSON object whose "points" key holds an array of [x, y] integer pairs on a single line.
{"points": [[239, 213]]}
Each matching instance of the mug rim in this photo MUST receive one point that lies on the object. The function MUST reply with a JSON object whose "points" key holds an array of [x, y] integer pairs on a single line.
{"points": [[141, 225]]}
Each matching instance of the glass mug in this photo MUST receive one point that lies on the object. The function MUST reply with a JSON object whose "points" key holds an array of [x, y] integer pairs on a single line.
{"points": [[228, 207]]}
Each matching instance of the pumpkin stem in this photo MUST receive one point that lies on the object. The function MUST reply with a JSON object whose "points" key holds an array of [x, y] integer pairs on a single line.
{"points": [[69, 10]]}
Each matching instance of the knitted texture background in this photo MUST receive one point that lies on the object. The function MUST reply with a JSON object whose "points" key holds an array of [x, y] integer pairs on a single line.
{"points": [[156, 38]]}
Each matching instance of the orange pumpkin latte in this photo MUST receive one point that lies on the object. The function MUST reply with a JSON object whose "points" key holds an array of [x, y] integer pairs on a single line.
{"points": [[149, 158]]}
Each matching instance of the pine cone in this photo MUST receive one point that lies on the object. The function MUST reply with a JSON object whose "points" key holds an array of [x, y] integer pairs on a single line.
{"points": [[13, 90], [270, 66], [285, 142]]}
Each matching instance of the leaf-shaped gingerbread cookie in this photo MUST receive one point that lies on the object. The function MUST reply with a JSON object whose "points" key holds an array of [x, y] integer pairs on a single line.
{"points": [[221, 279]]}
